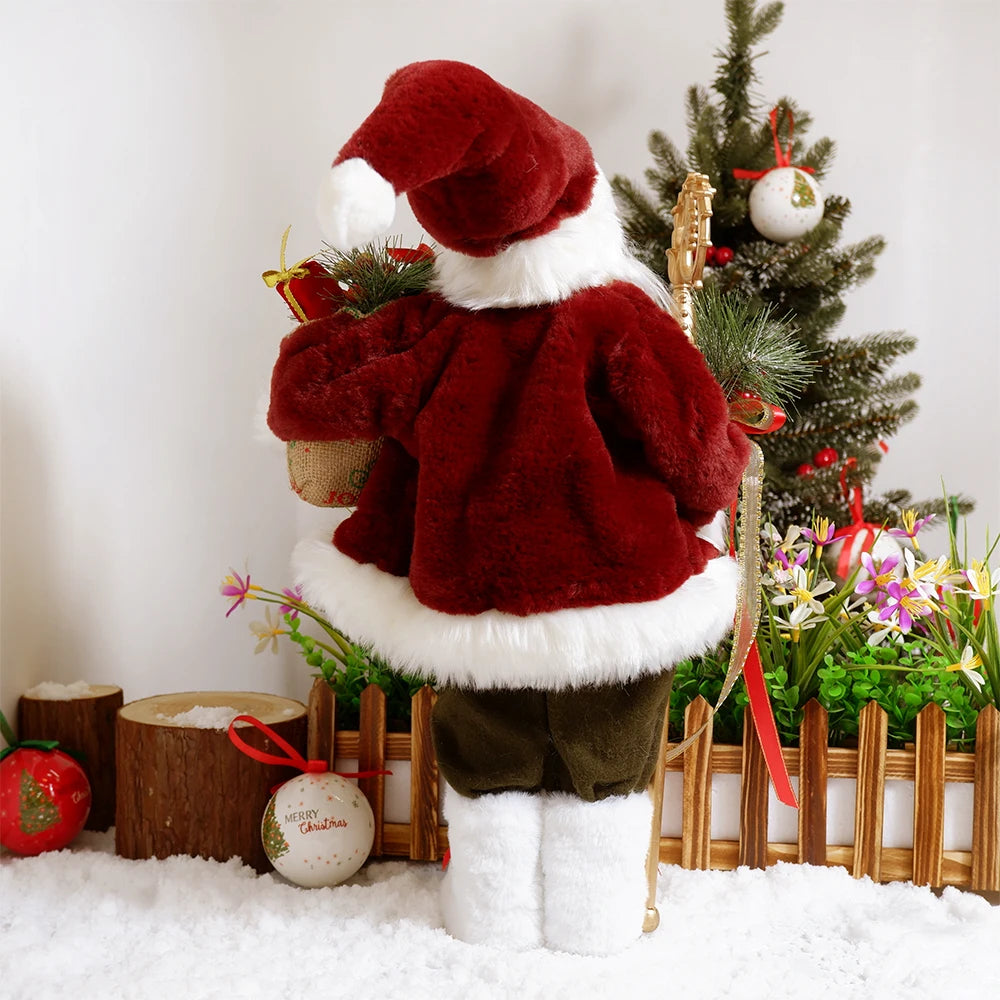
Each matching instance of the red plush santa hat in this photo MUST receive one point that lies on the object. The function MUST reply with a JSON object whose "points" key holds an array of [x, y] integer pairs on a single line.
{"points": [[482, 166]]}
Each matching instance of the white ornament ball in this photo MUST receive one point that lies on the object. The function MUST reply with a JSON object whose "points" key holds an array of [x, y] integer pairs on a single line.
{"points": [[785, 204], [317, 829]]}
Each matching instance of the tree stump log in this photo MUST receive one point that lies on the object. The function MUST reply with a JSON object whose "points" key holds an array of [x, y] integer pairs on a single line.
{"points": [[185, 789], [84, 725]]}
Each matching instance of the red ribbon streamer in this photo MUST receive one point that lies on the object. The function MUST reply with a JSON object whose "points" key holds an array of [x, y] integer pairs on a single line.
{"points": [[858, 526], [760, 709], [782, 157], [767, 731], [294, 758]]}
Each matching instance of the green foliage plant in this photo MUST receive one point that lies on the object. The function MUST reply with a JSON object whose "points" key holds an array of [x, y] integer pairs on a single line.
{"points": [[900, 630]]}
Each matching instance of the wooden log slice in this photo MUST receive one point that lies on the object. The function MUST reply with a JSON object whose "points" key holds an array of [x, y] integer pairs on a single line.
{"points": [[84, 725], [188, 790]]}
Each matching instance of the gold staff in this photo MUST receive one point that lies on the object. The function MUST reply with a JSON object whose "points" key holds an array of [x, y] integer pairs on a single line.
{"points": [[685, 263]]}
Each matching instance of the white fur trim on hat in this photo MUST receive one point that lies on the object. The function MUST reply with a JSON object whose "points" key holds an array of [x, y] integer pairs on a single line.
{"points": [[583, 251], [594, 872], [356, 205], [492, 890], [553, 650]]}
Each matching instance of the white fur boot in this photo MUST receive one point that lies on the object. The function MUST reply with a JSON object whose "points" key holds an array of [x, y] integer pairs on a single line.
{"points": [[492, 890], [594, 872]]}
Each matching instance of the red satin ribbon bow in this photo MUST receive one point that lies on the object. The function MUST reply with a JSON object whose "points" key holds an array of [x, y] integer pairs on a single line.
{"points": [[754, 415], [294, 758], [782, 157]]}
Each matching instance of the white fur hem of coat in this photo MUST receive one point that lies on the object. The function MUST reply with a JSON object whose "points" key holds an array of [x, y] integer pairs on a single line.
{"points": [[552, 650]]}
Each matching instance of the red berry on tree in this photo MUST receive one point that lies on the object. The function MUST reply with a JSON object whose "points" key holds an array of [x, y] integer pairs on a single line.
{"points": [[825, 457], [723, 255], [805, 470]]}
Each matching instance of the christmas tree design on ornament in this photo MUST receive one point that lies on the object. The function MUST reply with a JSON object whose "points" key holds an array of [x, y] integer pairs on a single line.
{"points": [[275, 845], [38, 811]]}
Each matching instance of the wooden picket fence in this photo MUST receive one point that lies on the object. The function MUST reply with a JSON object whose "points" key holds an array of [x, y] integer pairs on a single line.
{"points": [[423, 838], [929, 766]]}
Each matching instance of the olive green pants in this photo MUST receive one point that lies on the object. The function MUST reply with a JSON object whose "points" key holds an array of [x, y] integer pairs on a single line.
{"points": [[592, 741]]}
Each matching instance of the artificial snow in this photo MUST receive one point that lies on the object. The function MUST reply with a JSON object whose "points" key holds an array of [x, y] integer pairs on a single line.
{"points": [[51, 691], [202, 717], [84, 924]]}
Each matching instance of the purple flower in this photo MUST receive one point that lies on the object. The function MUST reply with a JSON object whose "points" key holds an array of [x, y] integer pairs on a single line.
{"points": [[902, 604], [235, 586], [823, 534], [911, 525], [877, 577], [782, 557], [287, 609]]}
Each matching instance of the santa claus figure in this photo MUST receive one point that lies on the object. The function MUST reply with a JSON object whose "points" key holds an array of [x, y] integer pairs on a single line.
{"points": [[531, 535]]}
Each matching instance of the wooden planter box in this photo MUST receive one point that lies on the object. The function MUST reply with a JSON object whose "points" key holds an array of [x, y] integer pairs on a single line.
{"points": [[931, 770]]}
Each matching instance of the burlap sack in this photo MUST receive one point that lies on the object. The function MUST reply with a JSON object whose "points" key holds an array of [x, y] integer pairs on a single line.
{"points": [[331, 473]]}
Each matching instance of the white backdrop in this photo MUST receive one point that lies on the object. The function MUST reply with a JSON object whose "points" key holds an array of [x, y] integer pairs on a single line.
{"points": [[153, 152]]}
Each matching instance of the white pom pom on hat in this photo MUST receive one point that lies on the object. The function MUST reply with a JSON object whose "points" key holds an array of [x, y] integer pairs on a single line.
{"points": [[482, 166], [356, 205]]}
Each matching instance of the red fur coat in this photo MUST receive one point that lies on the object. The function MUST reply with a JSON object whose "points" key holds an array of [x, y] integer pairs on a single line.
{"points": [[539, 458]]}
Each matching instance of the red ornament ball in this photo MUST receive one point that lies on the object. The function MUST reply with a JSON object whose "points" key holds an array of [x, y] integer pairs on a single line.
{"points": [[723, 255], [710, 256], [805, 470], [44, 800], [825, 457]]}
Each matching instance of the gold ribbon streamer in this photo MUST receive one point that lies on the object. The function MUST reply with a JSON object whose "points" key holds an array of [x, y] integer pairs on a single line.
{"points": [[274, 278], [748, 593]]}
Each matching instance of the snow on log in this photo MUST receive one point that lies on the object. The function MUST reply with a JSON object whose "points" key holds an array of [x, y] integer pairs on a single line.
{"points": [[184, 788]]}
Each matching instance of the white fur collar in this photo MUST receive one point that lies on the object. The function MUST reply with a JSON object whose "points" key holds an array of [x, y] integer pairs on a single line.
{"points": [[585, 251]]}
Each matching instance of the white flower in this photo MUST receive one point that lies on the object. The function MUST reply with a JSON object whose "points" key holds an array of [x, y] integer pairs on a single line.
{"points": [[267, 632], [982, 583], [802, 617], [926, 577], [969, 664], [801, 593], [883, 630]]}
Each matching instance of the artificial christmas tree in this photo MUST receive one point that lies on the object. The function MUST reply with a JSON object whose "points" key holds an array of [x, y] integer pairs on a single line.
{"points": [[854, 402]]}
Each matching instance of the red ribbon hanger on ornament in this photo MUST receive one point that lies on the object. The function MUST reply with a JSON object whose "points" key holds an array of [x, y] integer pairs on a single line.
{"points": [[294, 758], [783, 157], [858, 526]]}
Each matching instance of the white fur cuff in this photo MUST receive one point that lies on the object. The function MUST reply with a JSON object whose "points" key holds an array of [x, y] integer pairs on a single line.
{"points": [[594, 872], [492, 890]]}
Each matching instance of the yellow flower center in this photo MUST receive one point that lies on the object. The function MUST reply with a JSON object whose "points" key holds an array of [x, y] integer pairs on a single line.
{"points": [[963, 664]]}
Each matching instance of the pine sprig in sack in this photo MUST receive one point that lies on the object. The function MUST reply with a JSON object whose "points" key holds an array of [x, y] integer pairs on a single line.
{"points": [[374, 275]]}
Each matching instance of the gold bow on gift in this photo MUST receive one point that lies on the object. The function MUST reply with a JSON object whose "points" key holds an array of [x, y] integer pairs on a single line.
{"points": [[281, 277]]}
